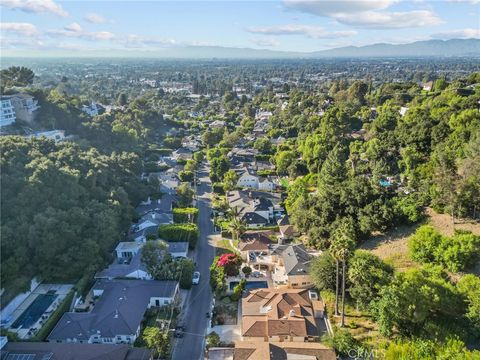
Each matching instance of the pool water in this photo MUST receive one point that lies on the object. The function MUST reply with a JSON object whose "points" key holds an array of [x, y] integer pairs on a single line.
{"points": [[34, 311], [251, 285]]}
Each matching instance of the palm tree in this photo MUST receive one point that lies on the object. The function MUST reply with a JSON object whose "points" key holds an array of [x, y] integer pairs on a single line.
{"points": [[237, 226], [343, 242]]}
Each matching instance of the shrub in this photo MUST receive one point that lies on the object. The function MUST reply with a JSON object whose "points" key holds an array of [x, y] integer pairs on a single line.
{"points": [[238, 290], [247, 270], [185, 215], [424, 243], [218, 188], [213, 339], [180, 232], [231, 263]]}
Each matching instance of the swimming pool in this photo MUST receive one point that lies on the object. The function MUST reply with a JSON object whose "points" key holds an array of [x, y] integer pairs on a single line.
{"points": [[34, 311], [251, 285]]}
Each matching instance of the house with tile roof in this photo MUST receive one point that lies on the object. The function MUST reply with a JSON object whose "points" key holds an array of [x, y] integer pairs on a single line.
{"points": [[262, 350], [279, 315], [117, 312]]}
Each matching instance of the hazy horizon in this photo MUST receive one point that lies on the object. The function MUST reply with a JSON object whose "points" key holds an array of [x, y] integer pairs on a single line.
{"points": [[120, 28]]}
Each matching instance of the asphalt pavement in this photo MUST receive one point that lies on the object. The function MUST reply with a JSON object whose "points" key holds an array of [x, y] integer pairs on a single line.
{"points": [[198, 302]]}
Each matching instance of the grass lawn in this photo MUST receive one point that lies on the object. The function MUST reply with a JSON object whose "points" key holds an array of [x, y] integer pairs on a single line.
{"points": [[156, 318], [224, 246]]}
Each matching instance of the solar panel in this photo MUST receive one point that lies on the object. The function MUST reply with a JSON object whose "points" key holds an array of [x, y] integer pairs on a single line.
{"points": [[20, 357]]}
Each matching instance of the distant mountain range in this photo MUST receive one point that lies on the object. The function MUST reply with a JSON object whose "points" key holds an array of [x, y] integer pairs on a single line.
{"points": [[453, 47], [428, 48]]}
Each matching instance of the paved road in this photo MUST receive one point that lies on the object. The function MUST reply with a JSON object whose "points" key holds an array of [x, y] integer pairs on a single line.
{"points": [[191, 346]]}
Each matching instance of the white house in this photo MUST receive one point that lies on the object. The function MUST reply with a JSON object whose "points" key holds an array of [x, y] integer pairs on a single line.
{"points": [[57, 135], [217, 124], [266, 184], [128, 249], [248, 179], [7, 112], [25, 106]]}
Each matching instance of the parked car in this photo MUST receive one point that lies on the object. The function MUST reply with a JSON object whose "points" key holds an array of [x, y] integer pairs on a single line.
{"points": [[196, 278]]}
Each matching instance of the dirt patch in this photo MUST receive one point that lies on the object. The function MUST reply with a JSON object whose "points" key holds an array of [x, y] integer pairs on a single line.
{"points": [[443, 223], [392, 247]]}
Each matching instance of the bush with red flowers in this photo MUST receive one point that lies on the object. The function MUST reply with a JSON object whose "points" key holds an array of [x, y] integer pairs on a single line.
{"points": [[230, 263]]}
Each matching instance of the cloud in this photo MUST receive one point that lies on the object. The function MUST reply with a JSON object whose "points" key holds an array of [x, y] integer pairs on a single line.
{"points": [[35, 6], [24, 29], [312, 31], [472, 2], [457, 34], [268, 42], [95, 18], [390, 20], [332, 7], [365, 13], [136, 41], [74, 30]]}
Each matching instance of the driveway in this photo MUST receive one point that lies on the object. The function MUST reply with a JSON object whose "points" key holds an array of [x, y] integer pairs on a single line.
{"points": [[199, 300]]}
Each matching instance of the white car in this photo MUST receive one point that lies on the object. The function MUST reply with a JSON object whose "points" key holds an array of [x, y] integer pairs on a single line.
{"points": [[196, 278]]}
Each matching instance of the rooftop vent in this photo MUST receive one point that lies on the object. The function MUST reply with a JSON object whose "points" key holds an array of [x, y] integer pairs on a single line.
{"points": [[291, 313]]}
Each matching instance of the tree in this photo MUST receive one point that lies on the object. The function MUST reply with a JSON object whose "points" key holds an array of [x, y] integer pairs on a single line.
{"points": [[152, 254], [218, 167], [236, 225], [469, 287], [343, 241], [367, 274], [230, 180], [157, 340], [414, 301], [16, 76], [185, 195], [122, 99], [322, 271], [263, 145]]}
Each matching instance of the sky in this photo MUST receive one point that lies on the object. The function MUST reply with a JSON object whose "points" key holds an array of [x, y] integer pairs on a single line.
{"points": [[69, 28]]}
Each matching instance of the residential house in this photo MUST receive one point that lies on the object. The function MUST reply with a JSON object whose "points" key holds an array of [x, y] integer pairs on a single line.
{"points": [[254, 208], [191, 143], [57, 135], [287, 230], [93, 109], [25, 106], [248, 178], [290, 263], [217, 124], [263, 115], [178, 249], [273, 350], [182, 154], [428, 86], [253, 245], [128, 263], [7, 111], [117, 312], [71, 351], [281, 315], [240, 155], [403, 111]]}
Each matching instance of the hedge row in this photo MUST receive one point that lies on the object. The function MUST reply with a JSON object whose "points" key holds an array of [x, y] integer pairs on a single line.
{"points": [[180, 232], [185, 215], [55, 317]]}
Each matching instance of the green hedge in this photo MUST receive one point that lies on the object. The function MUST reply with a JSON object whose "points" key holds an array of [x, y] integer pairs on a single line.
{"points": [[218, 188], [180, 232], [54, 318], [185, 215]]}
